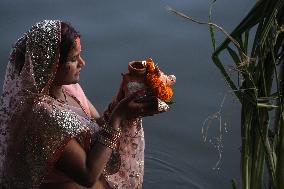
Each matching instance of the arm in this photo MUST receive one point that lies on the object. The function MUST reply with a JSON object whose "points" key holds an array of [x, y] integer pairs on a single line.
{"points": [[84, 168]]}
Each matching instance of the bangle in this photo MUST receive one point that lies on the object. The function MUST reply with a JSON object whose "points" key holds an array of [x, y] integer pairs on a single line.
{"points": [[105, 126], [113, 137], [107, 142]]}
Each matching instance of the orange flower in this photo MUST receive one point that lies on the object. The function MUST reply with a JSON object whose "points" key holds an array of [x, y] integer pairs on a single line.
{"points": [[160, 89], [150, 65]]}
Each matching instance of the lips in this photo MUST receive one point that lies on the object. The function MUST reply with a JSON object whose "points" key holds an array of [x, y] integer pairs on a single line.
{"points": [[78, 72]]}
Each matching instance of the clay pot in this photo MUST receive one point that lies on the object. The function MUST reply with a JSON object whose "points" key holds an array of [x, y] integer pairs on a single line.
{"points": [[135, 78], [137, 68]]}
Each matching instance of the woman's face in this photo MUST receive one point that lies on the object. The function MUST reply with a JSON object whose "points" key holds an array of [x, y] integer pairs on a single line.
{"points": [[69, 72]]}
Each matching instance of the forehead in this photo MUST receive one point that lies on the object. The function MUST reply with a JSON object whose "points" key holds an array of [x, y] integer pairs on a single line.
{"points": [[77, 48], [78, 44]]}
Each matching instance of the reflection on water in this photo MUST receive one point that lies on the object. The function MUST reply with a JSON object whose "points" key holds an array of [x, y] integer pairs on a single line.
{"points": [[116, 32], [169, 172]]}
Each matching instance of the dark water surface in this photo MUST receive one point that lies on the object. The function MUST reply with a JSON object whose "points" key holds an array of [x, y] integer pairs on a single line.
{"points": [[116, 32]]}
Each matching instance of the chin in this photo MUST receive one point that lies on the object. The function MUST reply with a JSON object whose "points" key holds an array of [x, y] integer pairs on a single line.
{"points": [[71, 82], [74, 82]]}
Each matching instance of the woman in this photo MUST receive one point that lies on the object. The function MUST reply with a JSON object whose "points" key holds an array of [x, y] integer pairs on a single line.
{"points": [[49, 138]]}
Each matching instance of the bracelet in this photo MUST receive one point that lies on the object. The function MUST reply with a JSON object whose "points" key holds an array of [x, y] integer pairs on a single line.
{"points": [[107, 142], [105, 126], [112, 137]]}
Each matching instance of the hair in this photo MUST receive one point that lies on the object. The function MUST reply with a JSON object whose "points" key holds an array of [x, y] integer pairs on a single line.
{"points": [[18, 54], [68, 37]]}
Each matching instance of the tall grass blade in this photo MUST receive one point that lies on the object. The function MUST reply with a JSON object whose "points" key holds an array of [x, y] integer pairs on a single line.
{"points": [[211, 28]]}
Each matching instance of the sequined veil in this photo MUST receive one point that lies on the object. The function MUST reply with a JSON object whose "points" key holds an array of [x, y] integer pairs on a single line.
{"points": [[34, 126]]}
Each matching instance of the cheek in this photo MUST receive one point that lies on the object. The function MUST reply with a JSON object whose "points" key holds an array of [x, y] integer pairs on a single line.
{"points": [[70, 69]]}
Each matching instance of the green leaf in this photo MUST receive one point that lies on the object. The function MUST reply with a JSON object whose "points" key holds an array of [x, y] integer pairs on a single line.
{"points": [[269, 22], [234, 56], [234, 183], [211, 28], [230, 82], [263, 105], [252, 18], [246, 41], [170, 102], [212, 35]]}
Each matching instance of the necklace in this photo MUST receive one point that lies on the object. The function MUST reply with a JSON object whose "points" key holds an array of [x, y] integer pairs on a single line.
{"points": [[73, 97], [65, 97], [77, 100], [58, 99]]}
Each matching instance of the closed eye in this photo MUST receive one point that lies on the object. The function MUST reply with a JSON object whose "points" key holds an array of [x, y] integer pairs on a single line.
{"points": [[74, 58]]}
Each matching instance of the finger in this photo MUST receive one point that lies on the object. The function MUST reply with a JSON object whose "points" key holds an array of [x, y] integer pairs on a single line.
{"points": [[146, 91], [148, 107], [147, 113], [154, 107], [139, 94], [134, 95], [143, 99]]}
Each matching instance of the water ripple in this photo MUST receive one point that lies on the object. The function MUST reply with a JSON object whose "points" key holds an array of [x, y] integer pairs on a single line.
{"points": [[162, 163]]}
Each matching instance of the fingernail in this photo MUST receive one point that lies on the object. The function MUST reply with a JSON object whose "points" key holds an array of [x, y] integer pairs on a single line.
{"points": [[141, 92], [140, 98]]}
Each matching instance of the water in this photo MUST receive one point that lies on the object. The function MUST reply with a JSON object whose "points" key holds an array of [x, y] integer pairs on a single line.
{"points": [[116, 32]]}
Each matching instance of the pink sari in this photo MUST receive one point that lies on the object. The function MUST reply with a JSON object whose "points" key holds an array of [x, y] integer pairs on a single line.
{"points": [[76, 91], [34, 126]]}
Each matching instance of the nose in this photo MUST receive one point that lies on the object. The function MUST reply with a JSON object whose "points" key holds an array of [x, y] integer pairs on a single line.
{"points": [[81, 62]]}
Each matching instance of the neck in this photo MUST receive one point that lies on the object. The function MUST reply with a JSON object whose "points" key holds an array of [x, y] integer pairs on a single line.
{"points": [[56, 91]]}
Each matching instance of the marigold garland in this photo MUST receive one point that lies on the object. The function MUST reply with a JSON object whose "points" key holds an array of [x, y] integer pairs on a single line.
{"points": [[160, 89]]}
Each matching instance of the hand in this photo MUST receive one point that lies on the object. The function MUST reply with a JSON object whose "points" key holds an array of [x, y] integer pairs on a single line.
{"points": [[139, 104]]}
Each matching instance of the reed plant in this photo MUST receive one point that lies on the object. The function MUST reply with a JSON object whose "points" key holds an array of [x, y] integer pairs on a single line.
{"points": [[256, 47]]}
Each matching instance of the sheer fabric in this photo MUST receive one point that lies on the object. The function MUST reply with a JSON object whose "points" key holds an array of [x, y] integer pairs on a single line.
{"points": [[131, 145], [54, 175], [76, 91], [34, 126]]}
